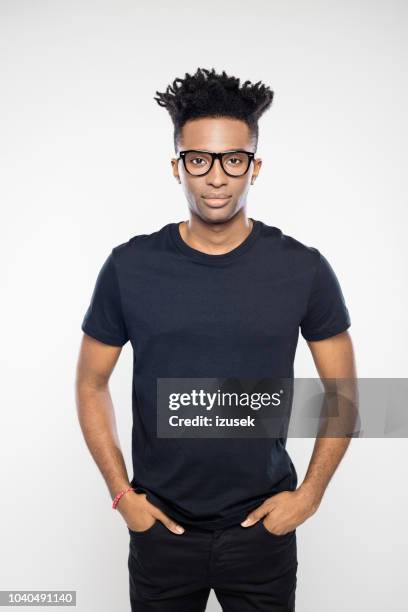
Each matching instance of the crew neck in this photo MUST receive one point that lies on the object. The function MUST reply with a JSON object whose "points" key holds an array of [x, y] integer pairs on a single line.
{"points": [[215, 259]]}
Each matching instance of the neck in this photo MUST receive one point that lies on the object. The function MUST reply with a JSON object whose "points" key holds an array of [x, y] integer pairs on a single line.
{"points": [[215, 238]]}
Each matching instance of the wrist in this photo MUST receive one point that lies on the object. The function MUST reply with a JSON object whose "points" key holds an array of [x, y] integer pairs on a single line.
{"points": [[121, 495], [311, 495]]}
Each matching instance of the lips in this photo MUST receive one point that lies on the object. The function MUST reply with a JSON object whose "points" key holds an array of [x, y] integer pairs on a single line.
{"points": [[216, 202]]}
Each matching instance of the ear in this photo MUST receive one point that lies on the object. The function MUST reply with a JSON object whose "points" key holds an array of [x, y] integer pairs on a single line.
{"points": [[174, 164], [258, 164]]}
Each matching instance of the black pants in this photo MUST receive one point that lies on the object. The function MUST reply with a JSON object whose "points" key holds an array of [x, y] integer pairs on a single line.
{"points": [[249, 569]]}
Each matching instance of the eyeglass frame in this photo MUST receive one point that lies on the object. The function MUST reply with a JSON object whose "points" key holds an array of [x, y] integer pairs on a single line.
{"points": [[214, 156]]}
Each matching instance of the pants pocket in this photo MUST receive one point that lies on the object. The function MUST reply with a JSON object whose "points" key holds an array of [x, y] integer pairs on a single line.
{"points": [[275, 535], [144, 531]]}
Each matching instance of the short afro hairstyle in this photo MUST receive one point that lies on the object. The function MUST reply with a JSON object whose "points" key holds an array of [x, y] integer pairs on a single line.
{"points": [[208, 94]]}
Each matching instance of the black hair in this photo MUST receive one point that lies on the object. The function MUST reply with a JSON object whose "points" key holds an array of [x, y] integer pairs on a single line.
{"points": [[208, 94]]}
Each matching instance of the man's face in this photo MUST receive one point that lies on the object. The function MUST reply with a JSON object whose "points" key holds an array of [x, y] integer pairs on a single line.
{"points": [[215, 135]]}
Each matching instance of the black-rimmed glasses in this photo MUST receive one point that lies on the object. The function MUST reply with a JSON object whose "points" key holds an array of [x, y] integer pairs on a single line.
{"points": [[234, 163]]}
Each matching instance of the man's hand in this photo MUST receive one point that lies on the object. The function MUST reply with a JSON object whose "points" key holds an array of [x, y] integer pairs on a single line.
{"points": [[284, 511], [140, 514]]}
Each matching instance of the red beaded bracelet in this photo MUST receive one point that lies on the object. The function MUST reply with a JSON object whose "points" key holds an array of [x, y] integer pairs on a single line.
{"points": [[119, 495]]}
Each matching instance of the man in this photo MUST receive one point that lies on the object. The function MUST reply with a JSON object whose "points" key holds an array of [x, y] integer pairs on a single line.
{"points": [[219, 295]]}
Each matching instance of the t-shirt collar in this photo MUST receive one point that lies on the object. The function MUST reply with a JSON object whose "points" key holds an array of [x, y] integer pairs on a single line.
{"points": [[214, 259]]}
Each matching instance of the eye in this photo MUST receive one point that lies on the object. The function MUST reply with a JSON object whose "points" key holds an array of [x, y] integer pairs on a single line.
{"points": [[235, 159], [194, 159]]}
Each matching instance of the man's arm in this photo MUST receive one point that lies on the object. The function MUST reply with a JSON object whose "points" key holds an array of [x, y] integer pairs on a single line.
{"points": [[95, 410], [97, 420], [334, 358]]}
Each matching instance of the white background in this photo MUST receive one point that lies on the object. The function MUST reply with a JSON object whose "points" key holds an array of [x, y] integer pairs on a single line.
{"points": [[85, 160]]}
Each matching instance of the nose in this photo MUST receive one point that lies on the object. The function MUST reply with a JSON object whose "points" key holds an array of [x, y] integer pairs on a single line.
{"points": [[216, 176]]}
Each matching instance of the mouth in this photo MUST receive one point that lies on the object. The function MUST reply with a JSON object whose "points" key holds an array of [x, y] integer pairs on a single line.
{"points": [[216, 202]]}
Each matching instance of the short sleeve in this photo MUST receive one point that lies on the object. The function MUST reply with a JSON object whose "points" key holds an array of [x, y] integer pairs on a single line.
{"points": [[104, 318], [326, 314]]}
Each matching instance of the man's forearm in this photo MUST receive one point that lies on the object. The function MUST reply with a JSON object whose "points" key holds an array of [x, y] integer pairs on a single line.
{"points": [[326, 456], [97, 419]]}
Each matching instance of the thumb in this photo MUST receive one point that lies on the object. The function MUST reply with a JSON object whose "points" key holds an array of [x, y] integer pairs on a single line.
{"points": [[168, 522], [256, 515], [163, 518]]}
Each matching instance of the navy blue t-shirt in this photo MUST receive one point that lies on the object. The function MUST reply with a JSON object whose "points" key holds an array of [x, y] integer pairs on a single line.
{"points": [[195, 315]]}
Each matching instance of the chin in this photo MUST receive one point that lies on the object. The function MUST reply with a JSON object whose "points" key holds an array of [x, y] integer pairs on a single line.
{"points": [[216, 215]]}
